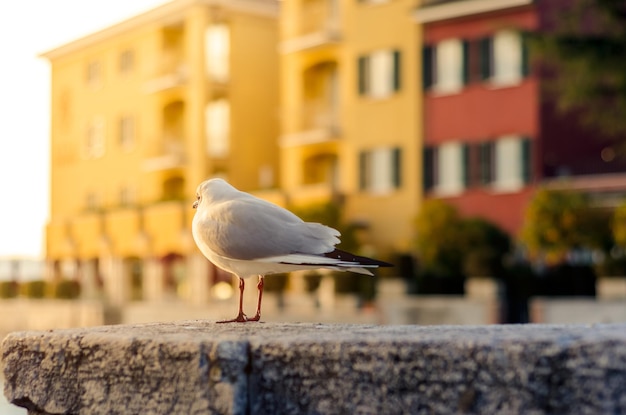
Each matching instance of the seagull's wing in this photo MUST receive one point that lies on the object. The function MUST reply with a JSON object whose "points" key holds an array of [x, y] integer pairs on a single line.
{"points": [[249, 228]]}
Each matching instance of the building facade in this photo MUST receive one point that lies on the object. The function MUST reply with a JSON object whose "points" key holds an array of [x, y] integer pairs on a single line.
{"points": [[491, 132], [350, 105], [142, 112], [481, 122]]}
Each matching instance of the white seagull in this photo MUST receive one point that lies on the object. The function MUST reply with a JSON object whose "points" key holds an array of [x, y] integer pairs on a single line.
{"points": [[248, 236]]}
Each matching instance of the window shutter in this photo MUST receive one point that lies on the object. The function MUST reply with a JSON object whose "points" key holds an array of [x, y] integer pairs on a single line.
{"points": [[465, 159], [363, 167], [397, 70], [525, 69], [466, 56], [363, 75], [428, 66], [429, 165], [527, 160], [397, 167], [486, 58], [486, 162]]}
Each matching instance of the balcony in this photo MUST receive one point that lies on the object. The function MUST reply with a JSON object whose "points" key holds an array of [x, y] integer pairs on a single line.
{"points": [[315, 24], [170, 72], [316, 122], [313, 194], [165, 155]]}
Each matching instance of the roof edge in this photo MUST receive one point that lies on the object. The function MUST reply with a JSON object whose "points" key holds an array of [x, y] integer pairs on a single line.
{"points": [[451, 10], [169, 11]]}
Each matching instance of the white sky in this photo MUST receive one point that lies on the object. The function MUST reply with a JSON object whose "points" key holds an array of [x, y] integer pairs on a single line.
{"points": [[27, 28]]}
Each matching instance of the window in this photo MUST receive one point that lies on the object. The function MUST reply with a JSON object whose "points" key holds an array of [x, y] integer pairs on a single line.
{"points": [[503, 58], [380, 170], [127, 61], [94, 73], [379, 73], [512, 163], [446, 66], [504, 164], [217, 52], [266, 176], [217, 124], [451, 168], [446, 168], [486, 162], [127, 132], [127, 196], [92, 201], [93, 146]]}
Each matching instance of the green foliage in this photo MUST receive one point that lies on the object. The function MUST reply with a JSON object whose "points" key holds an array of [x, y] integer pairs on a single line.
{"points": [[619, 225], [448, 245], [587, 52], [8, 289], [558, 221], [438, 235], [276, 283], [484, 245], [33, 289], [66, 289]]}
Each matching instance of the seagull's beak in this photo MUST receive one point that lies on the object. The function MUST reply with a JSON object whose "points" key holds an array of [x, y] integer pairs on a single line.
{"points": [[195, 205]]}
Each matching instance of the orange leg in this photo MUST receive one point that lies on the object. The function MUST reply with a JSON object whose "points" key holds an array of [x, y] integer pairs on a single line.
{"points": [[259, 286], [241, 317]]}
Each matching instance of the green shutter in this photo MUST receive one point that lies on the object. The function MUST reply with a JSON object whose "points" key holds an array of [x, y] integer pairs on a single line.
{"points": [[397, 70], [527, 160], [486, 58], [363, 167], [465, 159], [429, 165], [363, 74], [397, 167], [525, 70], [428, 66], [486, 162], [466, 58]]}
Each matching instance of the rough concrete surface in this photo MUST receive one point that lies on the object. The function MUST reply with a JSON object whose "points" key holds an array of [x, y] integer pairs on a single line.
{"points": [[199, 367]]}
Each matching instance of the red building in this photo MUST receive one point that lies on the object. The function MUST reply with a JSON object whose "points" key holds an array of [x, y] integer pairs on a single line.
{"points": [[491, 136]]}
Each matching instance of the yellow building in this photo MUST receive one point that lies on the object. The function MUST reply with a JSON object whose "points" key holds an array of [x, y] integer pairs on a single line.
{"points": [[142, 112], [350, 109]]}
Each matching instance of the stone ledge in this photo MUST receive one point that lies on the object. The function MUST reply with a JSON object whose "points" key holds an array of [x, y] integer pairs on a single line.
{"points": [[199, 367]]}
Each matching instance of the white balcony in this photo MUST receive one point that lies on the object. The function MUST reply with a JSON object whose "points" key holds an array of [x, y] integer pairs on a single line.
{"points": [[165, 155]]}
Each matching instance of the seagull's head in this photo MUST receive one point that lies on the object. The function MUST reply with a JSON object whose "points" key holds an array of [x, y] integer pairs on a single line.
{"points": [[211, 190]]}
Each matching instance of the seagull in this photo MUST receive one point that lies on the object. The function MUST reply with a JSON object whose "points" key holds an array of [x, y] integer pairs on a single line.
{"points": [[248, 236]]}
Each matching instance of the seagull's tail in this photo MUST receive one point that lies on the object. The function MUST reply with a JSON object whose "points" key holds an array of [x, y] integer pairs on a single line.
{"points": [[337, 260]]}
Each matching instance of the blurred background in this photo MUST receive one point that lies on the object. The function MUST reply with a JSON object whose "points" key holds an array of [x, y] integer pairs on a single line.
{"points": [[477, 145]]}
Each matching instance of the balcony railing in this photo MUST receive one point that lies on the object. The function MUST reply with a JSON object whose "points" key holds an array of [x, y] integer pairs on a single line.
{"points": [[314, 122], [166, 154], [170, 71], [315, 23]]}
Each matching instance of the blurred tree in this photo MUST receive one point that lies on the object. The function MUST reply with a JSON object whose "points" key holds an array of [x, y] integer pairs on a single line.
{"points": [[484, 246], [438, 237], [8, 289], [450, 245], [34, 289], [559, 221], [586, 51], [619, 225]]}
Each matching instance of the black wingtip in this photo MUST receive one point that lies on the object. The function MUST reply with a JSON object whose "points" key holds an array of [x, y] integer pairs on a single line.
{"points": [[361, 260]]}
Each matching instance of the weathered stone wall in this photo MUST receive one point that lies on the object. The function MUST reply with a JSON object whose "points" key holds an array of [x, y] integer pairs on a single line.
{"points": [[199, 367]]}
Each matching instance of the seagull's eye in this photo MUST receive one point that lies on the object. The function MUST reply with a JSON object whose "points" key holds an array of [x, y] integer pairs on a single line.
{"points": [[197, 197]]}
